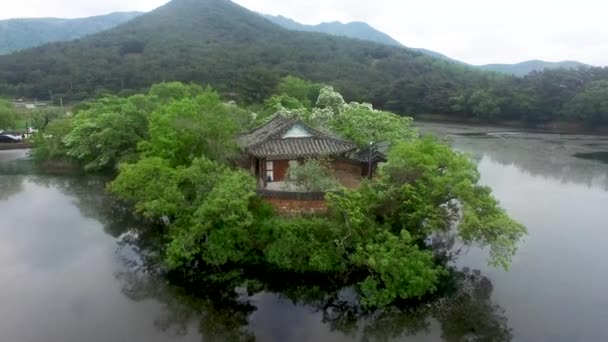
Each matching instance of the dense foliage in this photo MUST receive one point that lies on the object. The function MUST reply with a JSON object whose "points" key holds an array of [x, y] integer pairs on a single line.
{"points": [[240, 54], [175, 153], [310, 176], [8, 115]]}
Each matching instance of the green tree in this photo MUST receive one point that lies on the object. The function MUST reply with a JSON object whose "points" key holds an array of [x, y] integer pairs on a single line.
{"points": [[331, 99], [218, 232], [169, 91], [305, 92], [8, 115], [153, 186], [311, 175], [48, 144], [304, 245], [484, 104], [591, 105], [362, 124], [427, 187], [278, 103], [41, 117], [398, 269], [108, 131], [192, 127]]}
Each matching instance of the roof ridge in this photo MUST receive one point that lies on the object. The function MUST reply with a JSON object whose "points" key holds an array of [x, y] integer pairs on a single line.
{"points": [[276, 128], [251, 130], [315, 130]]}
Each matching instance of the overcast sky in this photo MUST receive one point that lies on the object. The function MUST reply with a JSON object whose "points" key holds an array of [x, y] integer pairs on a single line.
{"points": [[474, 31]]}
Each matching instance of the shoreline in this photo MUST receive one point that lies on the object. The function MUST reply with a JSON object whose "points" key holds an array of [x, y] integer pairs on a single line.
{"points": [[15, 146], [552, 127]]}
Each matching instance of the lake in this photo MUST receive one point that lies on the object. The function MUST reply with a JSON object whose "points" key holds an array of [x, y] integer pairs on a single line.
{"points": [[70, 270]]}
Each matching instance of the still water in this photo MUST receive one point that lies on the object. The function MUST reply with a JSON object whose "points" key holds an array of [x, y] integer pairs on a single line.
{"points": [[68, 272]]}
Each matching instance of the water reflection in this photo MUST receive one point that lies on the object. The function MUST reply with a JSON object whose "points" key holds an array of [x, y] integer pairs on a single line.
{"points": [[541, 154], [56, 263], [216, 318], [11, 177], [92, 201], [465, 313], [10, 186]]}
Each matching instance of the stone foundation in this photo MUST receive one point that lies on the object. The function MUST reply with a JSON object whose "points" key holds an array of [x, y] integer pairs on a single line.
{"points": [[297, 206]]}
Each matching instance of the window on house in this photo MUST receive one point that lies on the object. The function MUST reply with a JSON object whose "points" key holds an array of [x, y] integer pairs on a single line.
{"points": [[269, 171]]}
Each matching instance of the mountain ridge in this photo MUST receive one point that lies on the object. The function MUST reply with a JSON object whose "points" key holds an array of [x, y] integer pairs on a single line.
{"points": [[243, 56], [354, 29], [237, 51], [23, 33], [526, 67], [364, 31]]}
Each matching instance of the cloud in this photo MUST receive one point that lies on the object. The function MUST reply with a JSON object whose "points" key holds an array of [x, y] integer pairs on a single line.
{"points": [[474, 31]]}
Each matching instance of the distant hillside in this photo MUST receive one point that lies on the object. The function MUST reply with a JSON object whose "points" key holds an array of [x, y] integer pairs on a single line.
{"points": [[19, 34], [524, 68], [244, 56], [361, 30], [355, 29], [237, 51]]}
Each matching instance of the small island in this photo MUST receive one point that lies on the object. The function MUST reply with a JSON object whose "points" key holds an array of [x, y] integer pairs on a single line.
{"points": [[210, 175]]}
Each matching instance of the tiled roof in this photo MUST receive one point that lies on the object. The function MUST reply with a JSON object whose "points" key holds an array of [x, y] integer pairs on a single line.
{"points": [[267, 141], [262, 133], [301, 147]]}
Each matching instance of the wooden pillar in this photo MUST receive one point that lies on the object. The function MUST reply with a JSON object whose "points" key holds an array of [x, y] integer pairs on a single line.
{"points": [[252, 166], [263, 171]]}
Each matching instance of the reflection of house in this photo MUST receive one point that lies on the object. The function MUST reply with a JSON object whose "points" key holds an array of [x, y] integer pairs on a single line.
{"points": [[272, 146]]}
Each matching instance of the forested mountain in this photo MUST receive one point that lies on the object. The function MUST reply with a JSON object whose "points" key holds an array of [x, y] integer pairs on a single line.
{"points": [[361, 30], [355, 29], [238, 52], [19, 34], [244, 56], [524, 68]]}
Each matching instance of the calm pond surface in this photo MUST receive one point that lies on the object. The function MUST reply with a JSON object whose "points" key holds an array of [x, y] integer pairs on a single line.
{"points": [[68, 271]]}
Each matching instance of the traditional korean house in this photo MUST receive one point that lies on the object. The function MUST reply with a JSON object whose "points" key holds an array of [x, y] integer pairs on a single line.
{"points": [[273, 145]]}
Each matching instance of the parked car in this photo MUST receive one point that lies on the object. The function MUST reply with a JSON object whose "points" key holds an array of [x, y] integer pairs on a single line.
{"points": [[8, 138]]}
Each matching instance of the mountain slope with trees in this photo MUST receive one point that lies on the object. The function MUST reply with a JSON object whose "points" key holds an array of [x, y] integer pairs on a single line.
{"points": [[19, 34], [243, 56], [238, 52], [361, 30], [355, 29], [527, 67]]}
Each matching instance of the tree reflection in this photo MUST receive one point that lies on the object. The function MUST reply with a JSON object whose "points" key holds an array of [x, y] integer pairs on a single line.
{"points": [[92, 201], [546, 155], [465, 313], [10, 186], [218, 317], [13, 167], [469, 315]]}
